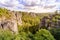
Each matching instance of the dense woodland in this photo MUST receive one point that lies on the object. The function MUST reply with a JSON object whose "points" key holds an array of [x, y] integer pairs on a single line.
{"points": [[30, 26]]}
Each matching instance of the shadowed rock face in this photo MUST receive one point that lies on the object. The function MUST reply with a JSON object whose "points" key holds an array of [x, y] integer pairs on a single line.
{"points": [[53, 21], [6, 25]]}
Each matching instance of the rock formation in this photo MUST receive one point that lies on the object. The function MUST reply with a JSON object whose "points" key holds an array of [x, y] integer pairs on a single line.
{"points": [[12, 22]]}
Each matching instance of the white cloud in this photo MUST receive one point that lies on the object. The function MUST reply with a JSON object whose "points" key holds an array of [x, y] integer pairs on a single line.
{"points": [[9, 2], [32, 5]]}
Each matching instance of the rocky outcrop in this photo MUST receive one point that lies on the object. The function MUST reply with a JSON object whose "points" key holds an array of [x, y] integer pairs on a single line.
{"points": [[12, 22]]}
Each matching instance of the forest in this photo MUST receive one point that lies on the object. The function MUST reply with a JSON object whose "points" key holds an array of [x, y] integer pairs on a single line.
{"points": [[17, 25]]}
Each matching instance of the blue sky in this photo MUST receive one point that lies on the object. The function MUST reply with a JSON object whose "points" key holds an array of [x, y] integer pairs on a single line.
{"points": [[31, 5]]}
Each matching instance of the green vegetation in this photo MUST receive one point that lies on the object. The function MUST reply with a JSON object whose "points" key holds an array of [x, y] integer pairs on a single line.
{"points": [[5, 13], [5, 35], [56, 33], [43, 35], [30, 22], [40, 35], [34, 26]]}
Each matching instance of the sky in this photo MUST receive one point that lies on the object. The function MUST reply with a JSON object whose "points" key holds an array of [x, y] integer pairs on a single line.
{"points": [[31, 5]]}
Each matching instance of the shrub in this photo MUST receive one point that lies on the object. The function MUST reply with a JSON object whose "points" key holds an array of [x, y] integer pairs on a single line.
{"points": [[26, 36], [5, 35], [43, 35], [4, 12], [8, 35]]}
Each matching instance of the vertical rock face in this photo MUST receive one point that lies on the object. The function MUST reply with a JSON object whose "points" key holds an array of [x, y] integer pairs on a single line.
{"points": [[12, 23], [18, 18]]}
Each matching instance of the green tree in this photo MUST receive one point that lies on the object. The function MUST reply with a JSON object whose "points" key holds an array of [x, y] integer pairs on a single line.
{"points": [[6, 35], [43, 34]]}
